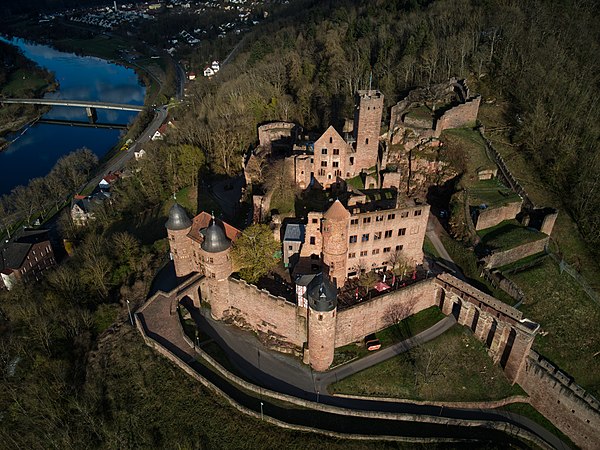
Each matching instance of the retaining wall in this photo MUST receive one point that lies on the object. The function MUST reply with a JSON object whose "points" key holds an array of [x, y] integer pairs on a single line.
{"points": [[493, 216], [505, 257], [356, 322]]}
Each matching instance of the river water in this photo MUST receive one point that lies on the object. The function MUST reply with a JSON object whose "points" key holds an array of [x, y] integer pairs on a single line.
{"points": [[36, 149]]}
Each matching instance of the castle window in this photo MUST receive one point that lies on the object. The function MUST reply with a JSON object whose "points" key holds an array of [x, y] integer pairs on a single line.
{"points": [[323, 151], [363, 253], [401, 231], [312, 240], [320, 316], [329, 176], [367, 220], [388, 234], [290, 247], [377, 236], [323, 163], [315, 220], [354, 222], [417, 212], [351, 255], [404, 214], [331, 139], [365, 237], [347, 174], [338, 173], [366, 140], [391, 216], [387, 249], [210, 260], [353, 239], [399, 247], [352, 160], [375, 251], [336, 151], [378, 218], [336, 164], [322, 172]]}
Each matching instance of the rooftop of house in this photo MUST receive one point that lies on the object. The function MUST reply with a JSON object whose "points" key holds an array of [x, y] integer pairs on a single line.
{"points": [[294, 232], [14, 252], [88, 204]]}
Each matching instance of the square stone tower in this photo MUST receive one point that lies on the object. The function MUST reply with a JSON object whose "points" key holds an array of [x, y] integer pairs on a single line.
{"points": [[367, 125]]}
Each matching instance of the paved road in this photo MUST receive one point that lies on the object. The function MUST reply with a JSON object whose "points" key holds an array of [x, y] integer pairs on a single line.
{"points": [[432, 225], [288, 375]]}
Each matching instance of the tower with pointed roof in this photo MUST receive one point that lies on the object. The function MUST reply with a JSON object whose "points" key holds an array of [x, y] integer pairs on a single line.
{"points": [[322, 307], [178, 226], [215, 258], [335, 241]]}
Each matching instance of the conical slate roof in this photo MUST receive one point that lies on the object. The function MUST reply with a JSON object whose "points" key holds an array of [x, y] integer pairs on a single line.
{"points": [[215, 239], [337, 212], [178, 218], [321, 294]]}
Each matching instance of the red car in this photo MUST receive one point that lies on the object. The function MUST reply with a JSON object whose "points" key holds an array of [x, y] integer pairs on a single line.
{"points": [[372, 343]]}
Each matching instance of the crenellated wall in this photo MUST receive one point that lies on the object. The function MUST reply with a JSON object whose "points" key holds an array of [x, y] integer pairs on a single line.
{"points": [[276, 318], [567, 405]]}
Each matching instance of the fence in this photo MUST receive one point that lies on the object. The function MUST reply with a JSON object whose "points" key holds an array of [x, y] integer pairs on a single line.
{"points": [[565, 267]]}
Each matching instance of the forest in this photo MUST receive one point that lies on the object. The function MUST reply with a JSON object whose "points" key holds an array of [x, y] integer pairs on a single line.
{"points": [[75, 375]]}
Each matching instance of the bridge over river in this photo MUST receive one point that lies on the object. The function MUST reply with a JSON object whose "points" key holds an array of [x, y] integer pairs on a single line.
{"points": [[90, 105]]}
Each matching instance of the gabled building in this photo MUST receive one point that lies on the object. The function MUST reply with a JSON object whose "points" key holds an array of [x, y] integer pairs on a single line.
{"points": [[25, 258], [83, 207]]}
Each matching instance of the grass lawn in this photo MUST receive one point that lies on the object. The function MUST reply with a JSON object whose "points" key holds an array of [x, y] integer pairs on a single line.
{"points": [[466, 259], [22, 81], [429, 249], [492, 193], [420, 113], [396, 333], [565, 233], [472, 146], [452, 367], [569, 317], [508, 234]]}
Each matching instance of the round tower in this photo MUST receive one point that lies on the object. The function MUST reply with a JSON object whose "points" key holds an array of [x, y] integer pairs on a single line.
{"points": [[322, 307], [335, 242], [178, 226], [216, 262]]}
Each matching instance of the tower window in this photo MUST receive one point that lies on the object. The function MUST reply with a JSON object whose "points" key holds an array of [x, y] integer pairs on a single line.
{"points": [[323, 151], [336, 164], [330, 139], [336, 151], [388, 234], [418, 212], [365, 237], [353, 238], [312, 240], [366, 140], [401, 231]]}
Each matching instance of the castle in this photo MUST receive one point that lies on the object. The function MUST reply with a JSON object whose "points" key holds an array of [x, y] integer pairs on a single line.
{"points": [[373, 228]]}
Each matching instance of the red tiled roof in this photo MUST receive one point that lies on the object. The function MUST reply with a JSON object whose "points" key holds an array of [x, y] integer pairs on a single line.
{"points": [[202, 221]]}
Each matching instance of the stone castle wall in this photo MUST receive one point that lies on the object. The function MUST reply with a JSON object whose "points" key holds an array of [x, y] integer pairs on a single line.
{"points": [[503, 258], [490, 217], [354, 323], [566, 404], [256, 309], [463, 115], [274, 131]]}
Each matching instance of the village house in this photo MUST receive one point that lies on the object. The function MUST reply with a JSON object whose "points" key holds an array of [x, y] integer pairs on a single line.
{"points": [[25, 258]]}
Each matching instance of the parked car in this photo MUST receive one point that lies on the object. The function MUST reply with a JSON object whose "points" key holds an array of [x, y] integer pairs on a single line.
{"points": [[372, 343]]}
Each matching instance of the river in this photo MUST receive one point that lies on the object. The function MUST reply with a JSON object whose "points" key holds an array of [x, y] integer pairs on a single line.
{"points": [[36, 149]]}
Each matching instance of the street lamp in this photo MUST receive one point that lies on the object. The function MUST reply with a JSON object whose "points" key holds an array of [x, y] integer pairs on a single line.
{"points": [[129, 311], [262, 417]]}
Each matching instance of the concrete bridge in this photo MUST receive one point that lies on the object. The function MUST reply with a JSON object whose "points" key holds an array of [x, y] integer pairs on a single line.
{"points": [[90, 105]]}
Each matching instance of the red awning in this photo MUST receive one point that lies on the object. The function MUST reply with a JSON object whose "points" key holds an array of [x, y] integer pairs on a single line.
{"points": [[380, 286]]}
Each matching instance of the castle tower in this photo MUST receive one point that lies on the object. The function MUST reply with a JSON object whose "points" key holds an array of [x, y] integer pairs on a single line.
{"points": [[335, 241], [216, 262], [322, 307], [367, 125], [178, 226]]}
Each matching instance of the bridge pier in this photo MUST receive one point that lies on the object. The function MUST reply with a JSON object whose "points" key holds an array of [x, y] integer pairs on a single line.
{"points": [[91, 113]]}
